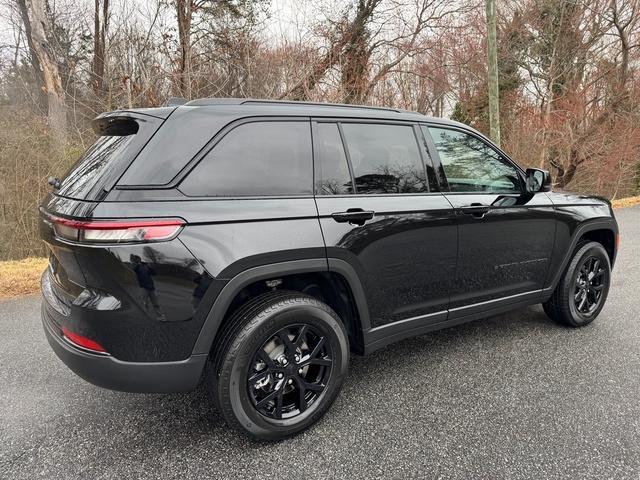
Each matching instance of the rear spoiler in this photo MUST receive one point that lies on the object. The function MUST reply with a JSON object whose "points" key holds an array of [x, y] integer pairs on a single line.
{"points": [[115, 126], [104, 120]]}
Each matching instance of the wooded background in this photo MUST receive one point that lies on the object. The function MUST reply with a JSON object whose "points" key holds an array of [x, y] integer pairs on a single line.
{"points": [[567, 76]]}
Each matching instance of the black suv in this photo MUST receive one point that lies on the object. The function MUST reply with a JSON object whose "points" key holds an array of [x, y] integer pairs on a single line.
{"points": [[250, 246]]}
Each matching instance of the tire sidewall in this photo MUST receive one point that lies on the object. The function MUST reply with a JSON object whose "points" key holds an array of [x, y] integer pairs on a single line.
{"points": [[233, 392]]}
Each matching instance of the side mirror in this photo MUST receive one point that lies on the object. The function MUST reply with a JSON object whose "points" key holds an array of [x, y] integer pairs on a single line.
{"points": [[538, 180]]}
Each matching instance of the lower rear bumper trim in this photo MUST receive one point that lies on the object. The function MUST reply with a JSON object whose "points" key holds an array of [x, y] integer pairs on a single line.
{"points": [[142, 377]]}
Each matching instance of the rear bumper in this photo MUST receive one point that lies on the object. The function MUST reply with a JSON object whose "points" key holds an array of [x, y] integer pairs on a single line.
{"points": [[108, 372]]}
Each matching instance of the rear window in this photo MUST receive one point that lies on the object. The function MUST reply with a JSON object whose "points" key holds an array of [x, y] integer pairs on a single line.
{"points": [[187, 131], [256, 159], [120, 140]]}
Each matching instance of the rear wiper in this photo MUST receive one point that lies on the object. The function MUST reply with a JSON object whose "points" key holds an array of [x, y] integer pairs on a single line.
{"points": [[55, 183]]}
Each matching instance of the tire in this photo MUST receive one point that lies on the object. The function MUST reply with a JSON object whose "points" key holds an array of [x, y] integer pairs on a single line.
{"points": [[257, 377], [580, 296]]}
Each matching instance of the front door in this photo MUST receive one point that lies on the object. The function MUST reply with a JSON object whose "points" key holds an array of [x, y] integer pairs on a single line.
{"points": [[505, 235], [379, 212]]}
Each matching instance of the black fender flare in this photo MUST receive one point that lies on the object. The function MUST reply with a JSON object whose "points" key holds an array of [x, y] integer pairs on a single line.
{"points": [[221, 304], [599, 224]]}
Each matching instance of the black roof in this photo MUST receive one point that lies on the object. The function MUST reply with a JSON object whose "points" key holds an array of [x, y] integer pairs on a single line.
{"points": [[317, 109], [240, 107], [253, 101]]}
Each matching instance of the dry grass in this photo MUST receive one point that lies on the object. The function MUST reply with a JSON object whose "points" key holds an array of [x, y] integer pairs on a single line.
{"points": [[626, 202], [21, 277]]}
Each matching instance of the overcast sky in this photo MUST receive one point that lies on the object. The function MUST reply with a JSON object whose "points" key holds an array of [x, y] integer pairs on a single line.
{"points": [[287, 17]]}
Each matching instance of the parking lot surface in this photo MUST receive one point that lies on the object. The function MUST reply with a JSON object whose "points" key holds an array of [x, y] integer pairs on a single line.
{"points": [[513, 396]]}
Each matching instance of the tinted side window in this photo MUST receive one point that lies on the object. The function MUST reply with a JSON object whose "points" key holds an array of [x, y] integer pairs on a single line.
{"points": [[472, 165], [257, 158], [332, 170], [385, 158]]}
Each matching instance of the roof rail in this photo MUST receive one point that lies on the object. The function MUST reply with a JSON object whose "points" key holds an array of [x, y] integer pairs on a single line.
{"points": [[253, 101], [319, 104]]}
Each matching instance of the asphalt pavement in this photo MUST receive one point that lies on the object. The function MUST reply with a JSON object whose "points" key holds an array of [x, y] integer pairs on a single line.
{"points": [[513, 396]]}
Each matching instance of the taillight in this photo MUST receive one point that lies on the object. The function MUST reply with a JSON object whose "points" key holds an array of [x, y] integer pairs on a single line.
{"points": [[83, 342], [109, 231]]}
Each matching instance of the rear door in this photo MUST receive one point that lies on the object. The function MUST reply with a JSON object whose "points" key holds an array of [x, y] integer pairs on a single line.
{"points": [[381, 212], [505, 235], [251, 197]]}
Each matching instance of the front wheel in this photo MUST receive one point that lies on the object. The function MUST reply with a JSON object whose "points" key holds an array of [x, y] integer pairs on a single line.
{"points": [[583, 289], [279, 365]]}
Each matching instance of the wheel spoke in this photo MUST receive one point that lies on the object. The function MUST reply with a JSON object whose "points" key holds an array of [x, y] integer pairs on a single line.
{"points": [[599, 273], [588, 300], [322, 361], [284, 337], [257, 376], [268, 398], [264, 356], [596, 265], [314, 387], [582, 303], [578, 295], [278, 411], [316, 350], [302, 401], [300, 338], [597, 288]]}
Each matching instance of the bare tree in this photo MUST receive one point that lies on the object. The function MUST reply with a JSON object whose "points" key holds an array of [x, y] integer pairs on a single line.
{"points": [[492, 62], [184, 14], [366, 51], [38, 30], [101, 25]]}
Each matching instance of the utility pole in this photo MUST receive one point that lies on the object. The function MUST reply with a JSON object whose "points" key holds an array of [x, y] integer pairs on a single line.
{"points": [[492, 60]]}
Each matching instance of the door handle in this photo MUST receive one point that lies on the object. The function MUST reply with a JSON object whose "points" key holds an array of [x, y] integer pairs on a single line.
{"points": [[478, 210], [354, 216]]}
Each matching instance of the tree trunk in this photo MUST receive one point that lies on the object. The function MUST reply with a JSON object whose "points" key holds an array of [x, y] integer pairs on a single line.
{"points": [[351, 48], [38, 31], [99, 46], [184, 10], [492, 54], [356, 55]]}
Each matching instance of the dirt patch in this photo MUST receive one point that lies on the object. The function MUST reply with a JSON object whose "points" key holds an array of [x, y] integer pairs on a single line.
{"points": [[21, 277]]}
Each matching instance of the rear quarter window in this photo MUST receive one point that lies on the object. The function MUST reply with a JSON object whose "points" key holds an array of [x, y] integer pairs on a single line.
{"points": [[262, 158], [119, 142]]}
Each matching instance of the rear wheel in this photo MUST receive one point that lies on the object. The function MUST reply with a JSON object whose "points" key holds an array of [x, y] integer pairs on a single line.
{"points": [[583, 289], [279, 365]]}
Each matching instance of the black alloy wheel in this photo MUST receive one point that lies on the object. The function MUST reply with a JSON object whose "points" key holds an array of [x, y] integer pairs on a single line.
{"points": [[582, 290], [279, 364], [289, 372], [589, 285]]}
